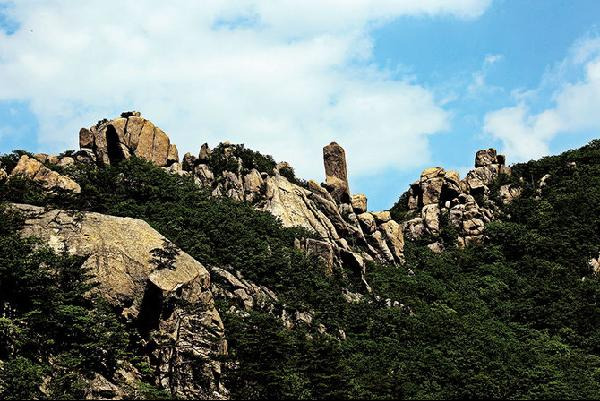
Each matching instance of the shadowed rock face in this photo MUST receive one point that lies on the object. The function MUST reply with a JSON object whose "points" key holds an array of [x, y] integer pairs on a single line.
{"points": [[336, 172], [118, 252], [121, 138]]}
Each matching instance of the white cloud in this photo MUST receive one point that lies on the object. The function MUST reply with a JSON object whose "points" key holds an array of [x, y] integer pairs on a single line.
{"points": [[284, 77], [527, 135], [478, 85], [491, 59]]}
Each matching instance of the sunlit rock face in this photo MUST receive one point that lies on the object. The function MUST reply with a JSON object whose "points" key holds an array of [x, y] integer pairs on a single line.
{"points": [[118, 139]]}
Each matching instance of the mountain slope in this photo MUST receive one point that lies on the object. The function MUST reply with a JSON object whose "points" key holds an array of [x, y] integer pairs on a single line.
{"points": [[513, 314]]}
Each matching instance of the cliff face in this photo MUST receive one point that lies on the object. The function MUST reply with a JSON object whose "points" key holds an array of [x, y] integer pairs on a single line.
{"points": [[170, 302]]}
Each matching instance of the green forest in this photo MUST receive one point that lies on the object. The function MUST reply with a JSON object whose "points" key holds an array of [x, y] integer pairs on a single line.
{"points": [[515, 317]]}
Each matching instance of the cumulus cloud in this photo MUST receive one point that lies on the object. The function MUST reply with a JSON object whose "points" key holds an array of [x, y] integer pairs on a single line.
{"points": [[526, 134], [282, 76]]}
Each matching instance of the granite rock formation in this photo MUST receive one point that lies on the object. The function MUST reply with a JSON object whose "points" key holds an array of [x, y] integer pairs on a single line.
{"points": [[336, 172], [465, 202], [119, 255], [128, 135], [49, 179]]}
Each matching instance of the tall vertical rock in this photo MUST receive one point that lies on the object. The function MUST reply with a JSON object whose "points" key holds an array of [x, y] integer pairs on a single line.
{"points": [[336, 172]]}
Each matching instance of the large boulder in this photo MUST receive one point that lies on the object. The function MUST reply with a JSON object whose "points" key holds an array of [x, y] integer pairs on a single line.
{"points": [[204, 154], [367, 222], [49, 179], [359, 203], [173, 155], [432, 190], [118, 139], [431, 218], [336, 172], [186, 343], [253, 184], [382, 217], [485, 157], [323, 250], [393, 233]]}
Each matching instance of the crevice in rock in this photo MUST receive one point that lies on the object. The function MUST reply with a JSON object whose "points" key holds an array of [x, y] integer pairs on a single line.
{"points": [[113, 145], [150, 310]]}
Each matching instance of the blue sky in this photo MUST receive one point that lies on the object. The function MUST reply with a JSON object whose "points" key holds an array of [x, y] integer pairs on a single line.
{"points": [[402, 85]]}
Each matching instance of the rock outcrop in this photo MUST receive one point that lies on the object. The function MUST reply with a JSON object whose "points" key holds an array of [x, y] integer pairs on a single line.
{"points": [[336, 172], [345, 229], [465, 202], [243, 296], [118, 253], [348, 234], [118, 139], [49, 179]]}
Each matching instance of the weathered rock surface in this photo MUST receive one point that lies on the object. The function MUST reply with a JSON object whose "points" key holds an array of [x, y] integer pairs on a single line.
{"points": [[322, 250], [51, 180], [244, 296], [359, 203], [205, 152], [508, 193], [118, 139], [118, 252], [336, 172], [231, 285], [439, 192]]}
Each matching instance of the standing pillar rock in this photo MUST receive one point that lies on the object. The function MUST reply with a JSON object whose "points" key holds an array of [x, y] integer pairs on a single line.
{"points": [[336, 172]]}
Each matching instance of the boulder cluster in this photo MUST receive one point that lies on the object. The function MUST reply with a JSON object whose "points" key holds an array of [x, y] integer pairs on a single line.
{"points": [[465, 202], [115, 140], [33, 168]]}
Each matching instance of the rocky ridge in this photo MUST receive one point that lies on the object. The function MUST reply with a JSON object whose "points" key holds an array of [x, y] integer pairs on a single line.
{"points": [[174, 307], [348, 233]]}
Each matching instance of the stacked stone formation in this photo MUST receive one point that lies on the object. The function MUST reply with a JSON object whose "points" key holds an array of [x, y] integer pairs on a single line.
{"points": [[439, 191], [118, 139]]}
